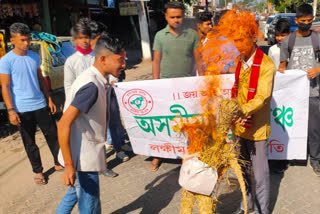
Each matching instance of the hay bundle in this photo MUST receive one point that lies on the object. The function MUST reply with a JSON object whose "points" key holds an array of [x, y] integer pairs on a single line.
{"points": [[209, 139]]}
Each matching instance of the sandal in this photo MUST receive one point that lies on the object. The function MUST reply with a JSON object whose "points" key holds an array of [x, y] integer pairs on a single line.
{"points": [[40, 181]]}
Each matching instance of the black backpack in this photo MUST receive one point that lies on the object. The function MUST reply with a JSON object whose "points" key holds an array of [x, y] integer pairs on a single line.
{"points": [[314, 39]]}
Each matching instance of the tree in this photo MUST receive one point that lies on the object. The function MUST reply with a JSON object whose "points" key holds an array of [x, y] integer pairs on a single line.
{"points": [[261, 6], [159, 4], [290, 5]]}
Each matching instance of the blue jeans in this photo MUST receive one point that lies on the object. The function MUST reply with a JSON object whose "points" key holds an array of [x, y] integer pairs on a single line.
{"points": [[109, 139], [86, 192]]}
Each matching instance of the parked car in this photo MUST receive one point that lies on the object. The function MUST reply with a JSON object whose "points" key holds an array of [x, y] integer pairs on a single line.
{"points": [[271, 35], [51, 66], [268, 22]]}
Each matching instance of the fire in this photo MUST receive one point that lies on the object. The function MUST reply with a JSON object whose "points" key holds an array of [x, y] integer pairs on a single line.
{"points": [[222, 47], [208, 139]]}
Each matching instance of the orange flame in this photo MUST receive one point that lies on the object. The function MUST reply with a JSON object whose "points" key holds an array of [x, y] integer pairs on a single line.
{"points": [[224, 41]]}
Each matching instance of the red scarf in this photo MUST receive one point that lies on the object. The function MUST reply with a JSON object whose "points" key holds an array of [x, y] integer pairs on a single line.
{"points": [[84, 51], [254, 77]]}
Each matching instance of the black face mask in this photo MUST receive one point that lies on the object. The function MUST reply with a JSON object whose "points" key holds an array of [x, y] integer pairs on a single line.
{"points": [[304, 27]]}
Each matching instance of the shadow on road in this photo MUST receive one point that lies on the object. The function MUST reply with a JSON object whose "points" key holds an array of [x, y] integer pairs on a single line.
{"points": [[115, 162], [158, 195], [232, 193], [275, 180], [235, 196]]}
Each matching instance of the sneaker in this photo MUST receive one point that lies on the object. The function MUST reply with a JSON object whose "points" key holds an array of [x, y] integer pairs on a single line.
{"points": [[109, 147], [316, 169], [110, 173], [122, 156], [126, 147]]}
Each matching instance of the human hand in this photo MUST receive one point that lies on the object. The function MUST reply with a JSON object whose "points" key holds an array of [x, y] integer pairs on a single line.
{"points": [[312, 72], [52, 106], [112, 83], [14, 119], [246, 122], [69, 176], [281, 70]]}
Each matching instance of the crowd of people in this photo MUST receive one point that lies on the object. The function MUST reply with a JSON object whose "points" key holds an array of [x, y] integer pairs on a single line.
{"points": [[91, 112]]}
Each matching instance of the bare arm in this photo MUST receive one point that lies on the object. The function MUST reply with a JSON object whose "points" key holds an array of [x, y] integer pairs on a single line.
{"points": [[197, 57], [156, 65], [45, 91], [64, 130], [6, 94]]}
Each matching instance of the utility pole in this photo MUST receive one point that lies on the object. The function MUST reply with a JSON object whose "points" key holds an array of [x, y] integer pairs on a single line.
{"points": [[46, 17], [315, 2], [144, 31], [207, 6]]}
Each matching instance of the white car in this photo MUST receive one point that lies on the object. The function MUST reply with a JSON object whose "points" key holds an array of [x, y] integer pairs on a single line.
{"points": [[266, 26]]}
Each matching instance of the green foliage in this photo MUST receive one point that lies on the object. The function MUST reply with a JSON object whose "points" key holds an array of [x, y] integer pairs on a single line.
{"points": [[281, 8], [290, 5], [159, 4], [255, 5], [261, 6], [249, 2]]}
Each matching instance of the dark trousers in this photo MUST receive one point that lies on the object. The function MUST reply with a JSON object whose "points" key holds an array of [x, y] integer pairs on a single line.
{"points": [[314, 130], [29, 121], [117, 130], [256, 155]]}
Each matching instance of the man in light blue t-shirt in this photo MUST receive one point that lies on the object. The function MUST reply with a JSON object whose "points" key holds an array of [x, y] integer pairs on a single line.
{"points": [[25, 93]]}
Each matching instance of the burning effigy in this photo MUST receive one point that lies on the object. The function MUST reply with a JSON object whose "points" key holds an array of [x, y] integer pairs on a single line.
{"points": [[210, 150]]}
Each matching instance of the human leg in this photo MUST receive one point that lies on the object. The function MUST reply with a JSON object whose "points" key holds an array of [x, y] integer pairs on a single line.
{"points": [[27, 131], [108, 143], [245, 146], [49, 130], [259, 157], [88, 193], [314, 133], [69, 200], [116, 128], [115, 124], [278, 166]]}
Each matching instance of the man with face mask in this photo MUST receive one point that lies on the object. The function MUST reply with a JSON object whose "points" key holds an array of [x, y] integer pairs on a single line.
{"points": [[299, 51]]}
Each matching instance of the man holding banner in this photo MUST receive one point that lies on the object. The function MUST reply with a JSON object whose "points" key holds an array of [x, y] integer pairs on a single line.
{"points": [[170, 61], [302, 48]]}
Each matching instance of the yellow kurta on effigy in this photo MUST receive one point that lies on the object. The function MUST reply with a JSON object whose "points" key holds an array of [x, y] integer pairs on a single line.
{"points": [[259, 106]]}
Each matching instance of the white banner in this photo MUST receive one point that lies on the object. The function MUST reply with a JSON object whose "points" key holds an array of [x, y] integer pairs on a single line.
{"points": [[149, 108]]}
